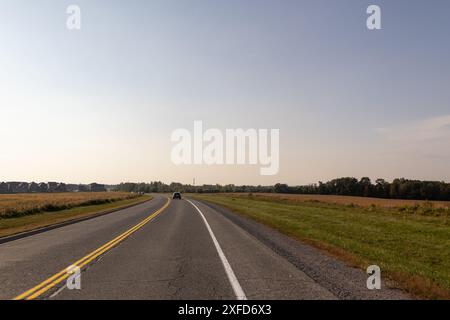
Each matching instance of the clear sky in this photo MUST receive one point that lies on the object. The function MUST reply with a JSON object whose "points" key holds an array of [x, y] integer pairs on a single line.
{"points": [[100, 104]]}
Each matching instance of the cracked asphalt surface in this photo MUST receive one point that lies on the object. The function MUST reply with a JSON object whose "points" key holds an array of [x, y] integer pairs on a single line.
{"points": [[174, 257]]}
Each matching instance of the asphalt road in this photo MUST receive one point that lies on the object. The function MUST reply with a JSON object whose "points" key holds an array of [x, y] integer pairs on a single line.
{"points": [[188, 250]]}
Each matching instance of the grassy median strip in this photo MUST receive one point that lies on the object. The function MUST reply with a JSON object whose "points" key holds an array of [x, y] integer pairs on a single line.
{"points": [[22, 223], [412, 249]]}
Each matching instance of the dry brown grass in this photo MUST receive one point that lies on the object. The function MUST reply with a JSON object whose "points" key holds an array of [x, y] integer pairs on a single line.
{"points": [[15, 205], [348, 200]]}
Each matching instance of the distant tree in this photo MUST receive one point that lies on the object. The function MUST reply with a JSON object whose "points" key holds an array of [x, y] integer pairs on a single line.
{"points": [[365, 187], [281, 188], [349, 186]]}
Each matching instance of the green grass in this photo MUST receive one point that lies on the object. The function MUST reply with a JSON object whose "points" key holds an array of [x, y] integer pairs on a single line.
{"points": [[15, 225], [412, 249]]}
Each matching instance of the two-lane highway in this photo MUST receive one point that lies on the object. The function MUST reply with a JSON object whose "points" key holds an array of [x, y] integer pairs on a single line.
{"points": [[27, 262], [157, 250]]}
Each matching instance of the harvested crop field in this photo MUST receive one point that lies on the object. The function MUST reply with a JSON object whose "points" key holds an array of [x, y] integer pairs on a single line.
{"points": [[16, 205], [348, 200]]}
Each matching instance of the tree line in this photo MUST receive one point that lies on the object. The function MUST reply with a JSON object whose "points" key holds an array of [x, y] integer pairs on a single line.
{"points": [[348, 186]]}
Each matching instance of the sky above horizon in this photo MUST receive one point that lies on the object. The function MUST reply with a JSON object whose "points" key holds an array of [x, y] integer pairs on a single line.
{"points": [[100, 104]]}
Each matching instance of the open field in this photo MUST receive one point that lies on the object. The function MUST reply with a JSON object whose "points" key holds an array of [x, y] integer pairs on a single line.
{"points": [[411, 249], [25, 212], [349, 200], [16, 205]]}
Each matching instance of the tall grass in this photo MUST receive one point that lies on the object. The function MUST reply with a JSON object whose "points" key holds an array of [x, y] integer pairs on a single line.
{"points": [[18, 205], [417, 207]]}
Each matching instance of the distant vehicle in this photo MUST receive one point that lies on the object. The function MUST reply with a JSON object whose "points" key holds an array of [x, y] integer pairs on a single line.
{"points": [[176, 195]]}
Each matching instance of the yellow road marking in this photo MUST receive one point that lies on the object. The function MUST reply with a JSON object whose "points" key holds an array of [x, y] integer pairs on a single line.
{"points": [[63, 274]]}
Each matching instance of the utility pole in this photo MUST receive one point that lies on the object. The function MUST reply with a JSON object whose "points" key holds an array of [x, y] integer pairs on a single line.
{"points": [[194, 182]]}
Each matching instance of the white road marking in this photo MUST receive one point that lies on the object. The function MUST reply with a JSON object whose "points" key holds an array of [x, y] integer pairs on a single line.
{"points": [[58, 291], [239, 293]]}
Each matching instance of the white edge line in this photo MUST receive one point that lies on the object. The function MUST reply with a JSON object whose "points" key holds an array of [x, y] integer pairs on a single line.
{"points": [[58, 291], [239, 293]]}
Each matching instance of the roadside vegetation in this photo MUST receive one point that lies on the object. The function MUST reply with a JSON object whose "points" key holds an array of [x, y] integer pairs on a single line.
{"points": [[410, 242], [24, 212], [17, 205], [347, 186], [397, 204]]}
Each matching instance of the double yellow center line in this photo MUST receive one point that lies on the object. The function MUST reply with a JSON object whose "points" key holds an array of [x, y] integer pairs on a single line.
{"points": [[43, 287]]}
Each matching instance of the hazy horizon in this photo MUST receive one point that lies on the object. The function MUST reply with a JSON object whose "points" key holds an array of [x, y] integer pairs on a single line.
{"points": [[99, 104]]}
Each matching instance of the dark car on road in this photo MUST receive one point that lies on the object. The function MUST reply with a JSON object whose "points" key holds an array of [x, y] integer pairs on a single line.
{"points": [[176, 195]]}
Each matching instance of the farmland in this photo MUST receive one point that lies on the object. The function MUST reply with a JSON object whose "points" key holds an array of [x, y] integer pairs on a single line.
{"points": [[349, 200], [23, 212], [410, 241], [25, 204]]}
